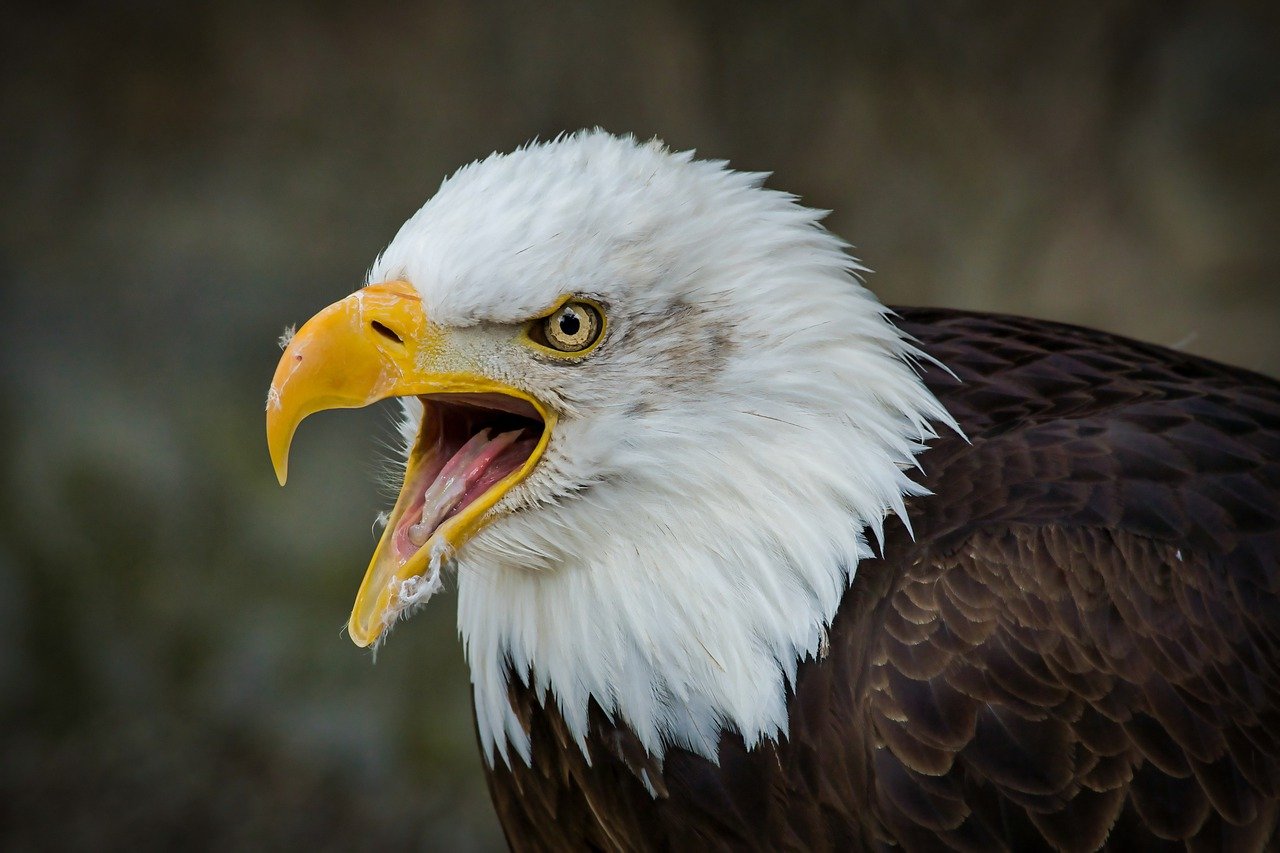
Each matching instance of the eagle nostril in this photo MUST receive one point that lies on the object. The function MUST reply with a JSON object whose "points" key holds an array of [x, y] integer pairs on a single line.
{"points": [[386, 332]]}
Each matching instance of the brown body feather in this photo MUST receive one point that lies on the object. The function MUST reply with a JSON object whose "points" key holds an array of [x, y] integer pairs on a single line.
{"points": [[1080, 647]]}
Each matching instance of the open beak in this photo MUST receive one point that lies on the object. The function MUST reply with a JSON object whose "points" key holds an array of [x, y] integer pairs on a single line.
{"points": [[479, 437]]}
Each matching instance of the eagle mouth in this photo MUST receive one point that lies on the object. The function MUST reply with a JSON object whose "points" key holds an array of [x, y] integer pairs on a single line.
{"points": [[474, 446], [480, 437], [467, 445]]}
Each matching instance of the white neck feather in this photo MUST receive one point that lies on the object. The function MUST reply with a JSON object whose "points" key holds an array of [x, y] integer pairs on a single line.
{"points": [[683, 598]]}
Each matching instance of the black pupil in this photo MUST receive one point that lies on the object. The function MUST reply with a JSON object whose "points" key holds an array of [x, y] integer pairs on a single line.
{"points": [[569, 324]]}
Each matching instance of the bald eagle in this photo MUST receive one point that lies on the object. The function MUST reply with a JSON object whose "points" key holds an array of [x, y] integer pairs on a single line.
{"points": [[747, 560]]}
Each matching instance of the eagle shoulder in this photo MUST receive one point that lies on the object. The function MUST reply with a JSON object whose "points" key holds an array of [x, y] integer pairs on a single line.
{"points": [[1079, 645]]}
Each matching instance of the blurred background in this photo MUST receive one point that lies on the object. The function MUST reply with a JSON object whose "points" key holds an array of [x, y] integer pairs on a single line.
{"points": [[181, 180]]}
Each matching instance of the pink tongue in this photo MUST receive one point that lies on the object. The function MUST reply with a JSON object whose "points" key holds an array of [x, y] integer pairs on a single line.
{"points": [[456, 479]]}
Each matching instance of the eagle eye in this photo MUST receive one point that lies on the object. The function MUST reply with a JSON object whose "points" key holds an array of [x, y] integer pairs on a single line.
{"points": [[571, 328]]}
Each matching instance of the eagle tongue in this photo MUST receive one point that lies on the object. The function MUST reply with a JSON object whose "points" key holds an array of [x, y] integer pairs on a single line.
{"points": [[463, 470]]}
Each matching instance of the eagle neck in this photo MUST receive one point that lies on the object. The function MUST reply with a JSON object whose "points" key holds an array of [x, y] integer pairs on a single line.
{"points": [[681, 599]]}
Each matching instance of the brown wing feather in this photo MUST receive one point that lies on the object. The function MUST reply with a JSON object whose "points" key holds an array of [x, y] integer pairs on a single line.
{"points": [[1117, 727], [1079, 647]]}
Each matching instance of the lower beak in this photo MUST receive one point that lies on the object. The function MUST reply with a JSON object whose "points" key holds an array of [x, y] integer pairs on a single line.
{"points": [[378, 343]]}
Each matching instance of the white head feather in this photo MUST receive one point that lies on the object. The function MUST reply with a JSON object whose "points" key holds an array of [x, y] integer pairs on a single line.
{"points": [[704, 501]]}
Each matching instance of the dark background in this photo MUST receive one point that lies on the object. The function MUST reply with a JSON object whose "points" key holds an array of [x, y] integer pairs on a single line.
{"points": [[180, 180]]}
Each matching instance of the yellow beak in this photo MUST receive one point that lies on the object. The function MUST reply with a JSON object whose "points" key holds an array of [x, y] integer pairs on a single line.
{"points": [[378, 343]]}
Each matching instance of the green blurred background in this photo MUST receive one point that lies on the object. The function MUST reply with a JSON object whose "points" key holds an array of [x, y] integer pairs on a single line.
{"points": [[182, 180]]}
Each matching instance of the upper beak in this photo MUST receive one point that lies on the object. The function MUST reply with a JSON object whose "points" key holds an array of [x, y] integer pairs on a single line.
{"points": [[379, 343], [355, 352]]}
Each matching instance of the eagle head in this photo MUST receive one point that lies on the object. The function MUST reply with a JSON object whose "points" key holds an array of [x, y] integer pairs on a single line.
{"points": [[650, 415]]}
